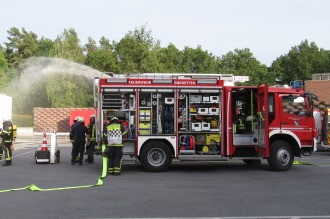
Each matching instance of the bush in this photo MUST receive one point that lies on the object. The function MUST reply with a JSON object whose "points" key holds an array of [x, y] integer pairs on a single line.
{"points": [[23, 120]]}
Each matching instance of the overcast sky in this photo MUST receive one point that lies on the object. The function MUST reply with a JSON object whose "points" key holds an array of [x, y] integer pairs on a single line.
{"points": [[268, 27]]}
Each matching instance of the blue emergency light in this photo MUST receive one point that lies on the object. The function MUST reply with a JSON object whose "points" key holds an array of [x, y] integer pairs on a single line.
{"points": [[296, 84]]}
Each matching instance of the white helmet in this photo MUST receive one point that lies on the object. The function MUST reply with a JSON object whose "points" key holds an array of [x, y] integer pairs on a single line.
{"points": [[92, 116], [81, 119], [77, 118]]}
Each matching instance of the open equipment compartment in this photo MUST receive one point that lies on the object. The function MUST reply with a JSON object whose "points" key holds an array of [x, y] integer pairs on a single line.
{"points": [[199, 121], [156, 112], [121, 103]]}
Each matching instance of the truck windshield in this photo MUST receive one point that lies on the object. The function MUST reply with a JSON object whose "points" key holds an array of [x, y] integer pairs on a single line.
{"points": [[294, 105]]}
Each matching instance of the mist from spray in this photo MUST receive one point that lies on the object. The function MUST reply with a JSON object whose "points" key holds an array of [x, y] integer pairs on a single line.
{"points": [[29, 88], [36, 69]]}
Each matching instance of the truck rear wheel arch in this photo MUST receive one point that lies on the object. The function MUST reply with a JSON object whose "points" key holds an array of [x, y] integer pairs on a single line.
{"points": [[290, 140], [162, 140]]}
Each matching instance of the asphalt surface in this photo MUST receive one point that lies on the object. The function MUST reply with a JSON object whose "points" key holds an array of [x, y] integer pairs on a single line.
{"points": [[188, 189]]}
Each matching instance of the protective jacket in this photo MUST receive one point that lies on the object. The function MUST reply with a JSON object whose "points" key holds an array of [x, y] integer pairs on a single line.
{"points": [[92, 132], [115, 134]]}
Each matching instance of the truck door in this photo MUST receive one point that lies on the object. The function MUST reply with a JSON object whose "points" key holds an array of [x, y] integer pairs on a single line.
{"points": [[263, 125], [295, 118]]}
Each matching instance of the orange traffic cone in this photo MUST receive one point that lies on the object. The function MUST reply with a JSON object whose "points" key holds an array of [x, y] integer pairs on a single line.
{"points": [[44, 143]]}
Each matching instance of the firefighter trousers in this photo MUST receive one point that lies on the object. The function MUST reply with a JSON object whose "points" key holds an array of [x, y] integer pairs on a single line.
{"points": [[115, 155], [6, 149], [90, 148], [78, 147], [76, 158]]}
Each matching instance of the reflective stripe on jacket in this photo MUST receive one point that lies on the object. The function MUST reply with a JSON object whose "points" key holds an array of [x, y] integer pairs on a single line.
{"points": [[115, 136]]}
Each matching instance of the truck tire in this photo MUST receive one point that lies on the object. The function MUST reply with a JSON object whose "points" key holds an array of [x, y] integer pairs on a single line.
{"points": [[254, 163], [281, 156], [156, 156]]}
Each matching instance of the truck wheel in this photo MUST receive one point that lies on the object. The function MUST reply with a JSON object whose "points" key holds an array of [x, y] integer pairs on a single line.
{"points": [[281, 156], [156, 156], [255, 163]]}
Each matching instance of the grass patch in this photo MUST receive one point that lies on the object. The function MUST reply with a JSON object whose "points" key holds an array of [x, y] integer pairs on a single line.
{"points": [[23, 120]]}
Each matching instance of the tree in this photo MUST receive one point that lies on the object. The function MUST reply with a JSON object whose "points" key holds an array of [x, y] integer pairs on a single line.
{"points": [[102, 60], [45, 47], [3, 68], [301, 62], [169, 59], [133, 50], [66, 90], [242, 62], [197, 61], [90, 46], [105, 44], [21, 45], [67, 46]]}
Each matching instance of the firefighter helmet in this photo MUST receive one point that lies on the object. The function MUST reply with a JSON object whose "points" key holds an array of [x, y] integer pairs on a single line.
{"points": [[114, 120], [92, 116], [81, 119]]}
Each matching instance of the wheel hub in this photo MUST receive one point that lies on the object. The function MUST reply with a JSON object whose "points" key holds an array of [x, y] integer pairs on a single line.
{"points": [[283, 156], [156, 157]]}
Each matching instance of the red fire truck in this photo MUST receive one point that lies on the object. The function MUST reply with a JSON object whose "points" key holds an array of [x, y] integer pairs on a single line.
{"points": [[205, 117]]}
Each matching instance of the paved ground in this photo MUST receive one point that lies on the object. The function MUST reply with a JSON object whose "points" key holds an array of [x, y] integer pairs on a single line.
{"points": [[189, 189]]}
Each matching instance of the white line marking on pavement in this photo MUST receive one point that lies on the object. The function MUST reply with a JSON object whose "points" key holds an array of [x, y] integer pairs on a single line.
{"points": [[18, 155], [24, 153]]}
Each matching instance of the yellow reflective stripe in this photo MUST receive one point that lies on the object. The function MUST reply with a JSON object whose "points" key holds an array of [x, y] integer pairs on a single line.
{"points": [[116, 145], [8, 154], [261, 116], [93, 133]]}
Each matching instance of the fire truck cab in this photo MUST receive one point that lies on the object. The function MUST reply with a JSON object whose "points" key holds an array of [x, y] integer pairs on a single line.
{"points": [[204, 117]]}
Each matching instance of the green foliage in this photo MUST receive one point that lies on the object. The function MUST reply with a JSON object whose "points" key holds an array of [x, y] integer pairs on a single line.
{"points": [[3, 69], [25, 99], [45, 47], [133, 50], [198, 61], [242, 62], [301, 62], [90, 46], [169, 59], [23, 120], [21, 45], [66, 90], [67, 46], [105, 44], [102, 60]]}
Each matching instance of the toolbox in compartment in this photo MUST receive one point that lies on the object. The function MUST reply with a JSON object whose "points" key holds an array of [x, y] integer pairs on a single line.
{"points": [[206, 98], [203, 110], [144, 115], [214, 99], [197, 127], [196, 98], [212, 137], [206, 126], [213, 111], [144, 128]]}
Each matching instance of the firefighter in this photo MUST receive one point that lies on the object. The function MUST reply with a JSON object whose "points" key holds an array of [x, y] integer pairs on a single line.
{"points": [[240, 122], [79, 133], [7, 137], [91, 140], [75, 123], [114, 150]]}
